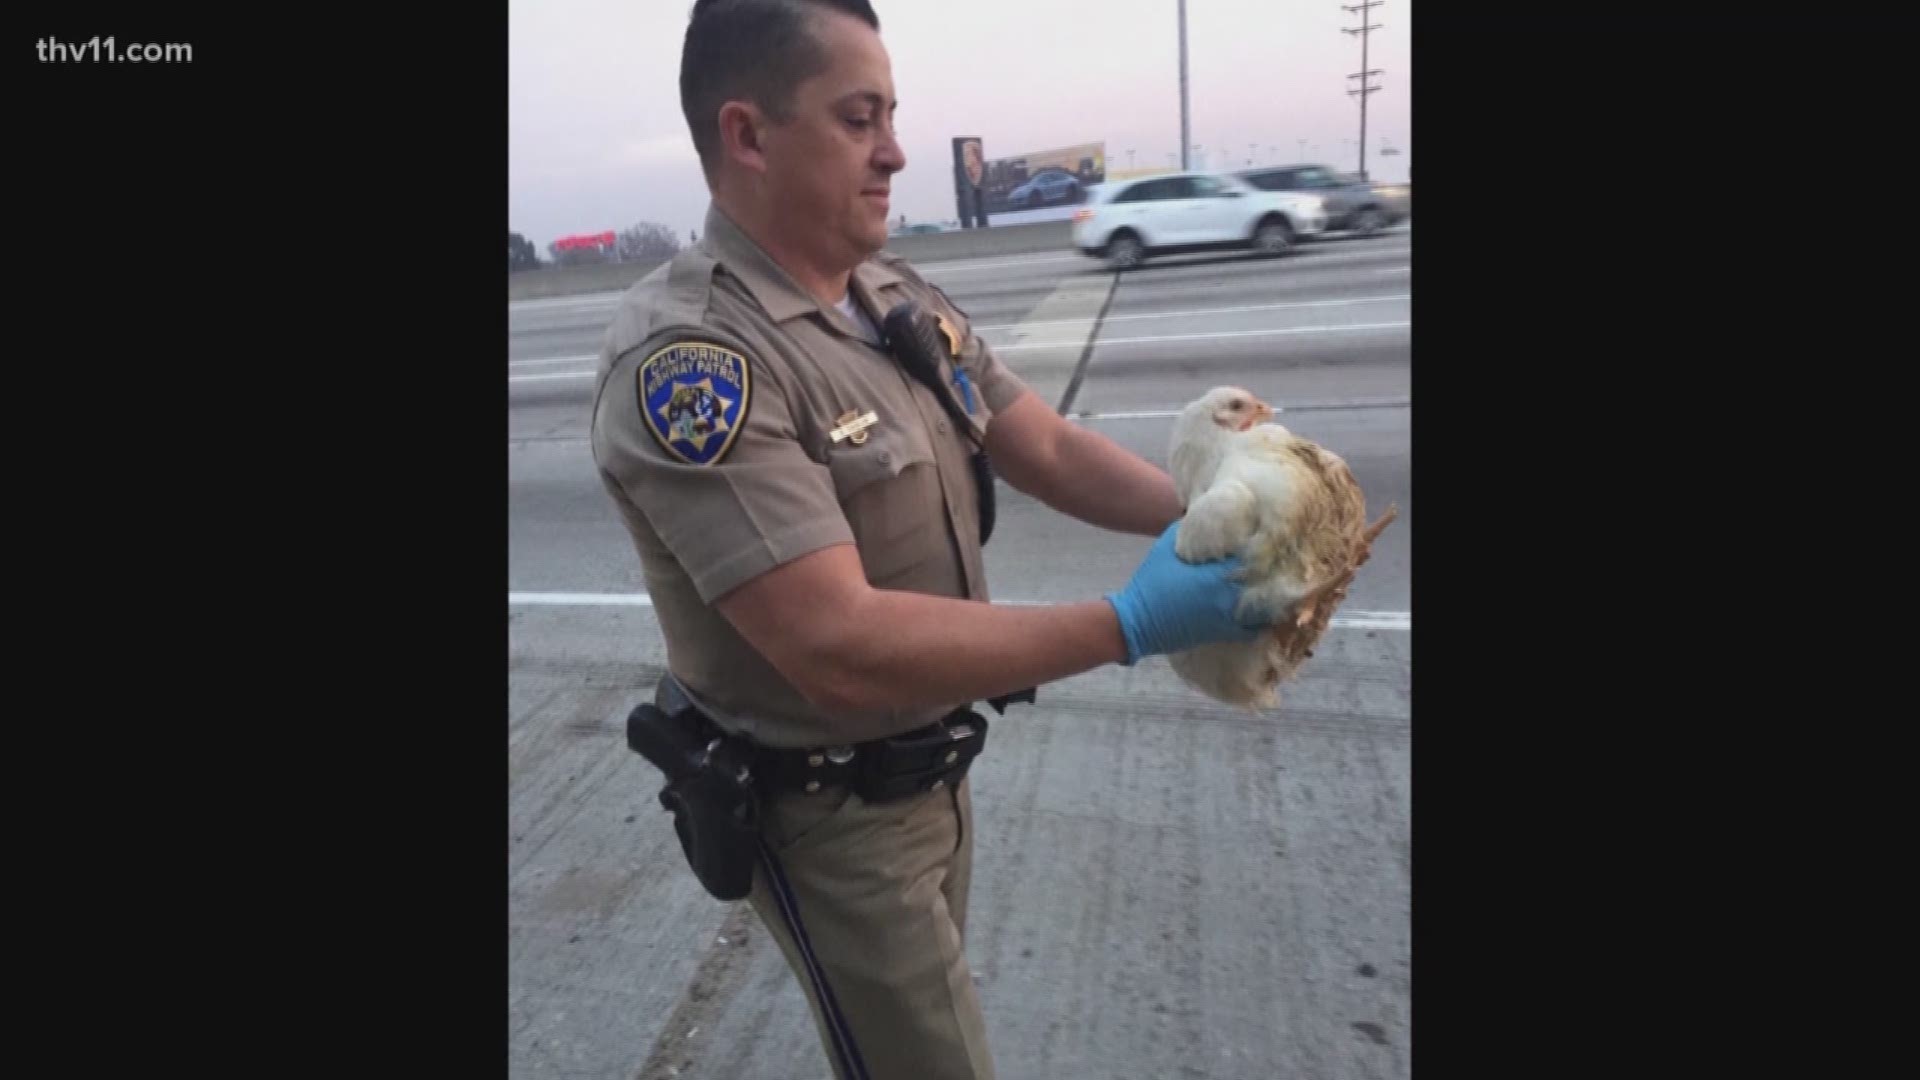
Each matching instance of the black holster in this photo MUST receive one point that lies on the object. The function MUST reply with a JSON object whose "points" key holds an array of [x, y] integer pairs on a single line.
{"points": [[908, 764], [710, 789]]}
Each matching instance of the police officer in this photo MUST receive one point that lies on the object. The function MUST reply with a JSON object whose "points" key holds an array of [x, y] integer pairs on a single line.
{"points": [[808, 523]]}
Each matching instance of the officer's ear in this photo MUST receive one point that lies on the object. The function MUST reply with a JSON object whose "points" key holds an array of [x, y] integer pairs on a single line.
{"points": [[742, 132]]}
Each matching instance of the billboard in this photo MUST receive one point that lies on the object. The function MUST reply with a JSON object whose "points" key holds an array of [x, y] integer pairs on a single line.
{"points": [[1043, 178], [969, 172], [596, 241]]}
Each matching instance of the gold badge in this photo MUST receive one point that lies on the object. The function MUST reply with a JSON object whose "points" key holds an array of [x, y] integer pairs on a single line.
{"points": [[853, 426], [953, 336]]}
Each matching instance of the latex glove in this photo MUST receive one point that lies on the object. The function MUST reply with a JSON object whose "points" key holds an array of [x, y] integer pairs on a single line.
{"points": [[1171, 605]]}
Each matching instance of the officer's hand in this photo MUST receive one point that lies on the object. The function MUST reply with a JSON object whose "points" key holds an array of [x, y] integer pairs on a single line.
{"points": [[1171, 605]]}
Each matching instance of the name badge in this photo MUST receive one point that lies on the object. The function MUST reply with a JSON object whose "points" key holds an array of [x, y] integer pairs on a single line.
{"points": [[853, 427]]}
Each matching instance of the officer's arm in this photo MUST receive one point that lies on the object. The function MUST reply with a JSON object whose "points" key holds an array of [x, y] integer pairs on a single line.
{"points": [[850, 647], [1078, 471]]}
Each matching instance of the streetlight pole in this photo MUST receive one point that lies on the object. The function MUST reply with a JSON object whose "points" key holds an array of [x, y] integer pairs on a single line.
{"points": [[1185, 133]]}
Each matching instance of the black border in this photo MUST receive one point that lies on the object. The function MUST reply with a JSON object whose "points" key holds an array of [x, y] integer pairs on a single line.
{"points": [[261, 486], [1626, 354]]}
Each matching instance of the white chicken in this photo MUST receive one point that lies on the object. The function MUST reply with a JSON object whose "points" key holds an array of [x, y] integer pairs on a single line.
{"points": [[1292, 510]]}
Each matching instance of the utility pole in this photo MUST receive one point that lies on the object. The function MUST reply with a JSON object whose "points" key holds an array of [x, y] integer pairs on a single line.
{"points": [[1364, 75], [1185, 135]]}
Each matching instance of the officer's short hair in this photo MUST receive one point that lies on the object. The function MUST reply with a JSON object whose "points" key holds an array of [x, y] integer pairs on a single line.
{"points": [[759, 50]]}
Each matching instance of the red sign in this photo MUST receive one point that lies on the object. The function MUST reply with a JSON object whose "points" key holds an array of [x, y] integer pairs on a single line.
{"points": [[596, 240]]}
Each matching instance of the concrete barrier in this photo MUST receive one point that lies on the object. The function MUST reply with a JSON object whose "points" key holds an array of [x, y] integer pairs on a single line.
{"points": [[1001, 240], [1049, 236], [571, 280]]}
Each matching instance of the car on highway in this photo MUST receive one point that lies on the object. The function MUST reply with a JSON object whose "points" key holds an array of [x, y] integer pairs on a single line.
{"points": [[1398, 199], [1128, 222], [1045, 188], [1353, 204]]}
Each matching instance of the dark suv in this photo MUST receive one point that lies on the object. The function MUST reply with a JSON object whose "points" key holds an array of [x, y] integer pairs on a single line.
{"points": [[1352, 204]]}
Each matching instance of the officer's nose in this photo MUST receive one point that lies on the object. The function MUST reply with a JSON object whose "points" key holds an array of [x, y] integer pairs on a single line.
{"points": [[888, 157]]}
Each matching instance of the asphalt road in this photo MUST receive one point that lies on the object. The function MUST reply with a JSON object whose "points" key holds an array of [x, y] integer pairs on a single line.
{"points": [[1163, 887]]}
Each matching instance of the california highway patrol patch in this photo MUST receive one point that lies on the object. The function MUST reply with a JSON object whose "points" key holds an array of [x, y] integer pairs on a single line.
{"points": [[694, 395]]}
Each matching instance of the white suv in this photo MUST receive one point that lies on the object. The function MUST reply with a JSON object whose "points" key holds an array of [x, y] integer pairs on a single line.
{"points": [[1172, 213]]}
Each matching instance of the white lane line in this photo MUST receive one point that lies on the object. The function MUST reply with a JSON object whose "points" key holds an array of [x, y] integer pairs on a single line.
{"points": [[1314, 257], [578, 599], [1375, 620], [1102, 342], [554, 360], [1396, 270], [1241, 264], [551, 378], [931, 269], [1208, 311], [551, 303], [1358, 620]]}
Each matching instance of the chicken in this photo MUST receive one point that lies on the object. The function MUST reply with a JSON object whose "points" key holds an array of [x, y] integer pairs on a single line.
{"points": [[1292, 510]]}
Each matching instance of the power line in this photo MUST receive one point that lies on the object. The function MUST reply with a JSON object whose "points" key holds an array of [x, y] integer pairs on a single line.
{"points": [[1364, 75]]}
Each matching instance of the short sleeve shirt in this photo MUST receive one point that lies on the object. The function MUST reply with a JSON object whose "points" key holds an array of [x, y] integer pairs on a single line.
{"points": [[739, 424]]}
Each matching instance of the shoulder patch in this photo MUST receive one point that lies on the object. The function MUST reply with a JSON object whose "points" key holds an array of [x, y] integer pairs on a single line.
{"points": [[695, 396]]}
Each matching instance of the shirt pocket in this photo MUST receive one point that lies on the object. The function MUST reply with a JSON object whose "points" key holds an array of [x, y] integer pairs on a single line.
{"points": [[889, 489]]}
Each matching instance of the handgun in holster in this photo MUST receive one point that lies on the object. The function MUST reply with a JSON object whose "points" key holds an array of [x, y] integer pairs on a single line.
{"points": [[709, 790]]}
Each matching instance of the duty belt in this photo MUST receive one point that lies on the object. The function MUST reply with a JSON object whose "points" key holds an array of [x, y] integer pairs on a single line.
{"points": [[883, 769], [716, 781], [878, 770]]}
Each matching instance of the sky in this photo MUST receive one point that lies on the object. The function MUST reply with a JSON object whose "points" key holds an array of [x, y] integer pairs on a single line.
{"points": [[596, 140]]}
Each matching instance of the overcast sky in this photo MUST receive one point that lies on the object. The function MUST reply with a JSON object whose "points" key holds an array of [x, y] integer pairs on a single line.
{"points": [[596, 140]]}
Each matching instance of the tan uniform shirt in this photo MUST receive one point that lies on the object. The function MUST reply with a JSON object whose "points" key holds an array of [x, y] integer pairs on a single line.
{"points": [[720, 385]]}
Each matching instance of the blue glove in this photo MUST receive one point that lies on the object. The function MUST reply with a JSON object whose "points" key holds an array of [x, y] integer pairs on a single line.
{"points": [[1171, 605]]}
